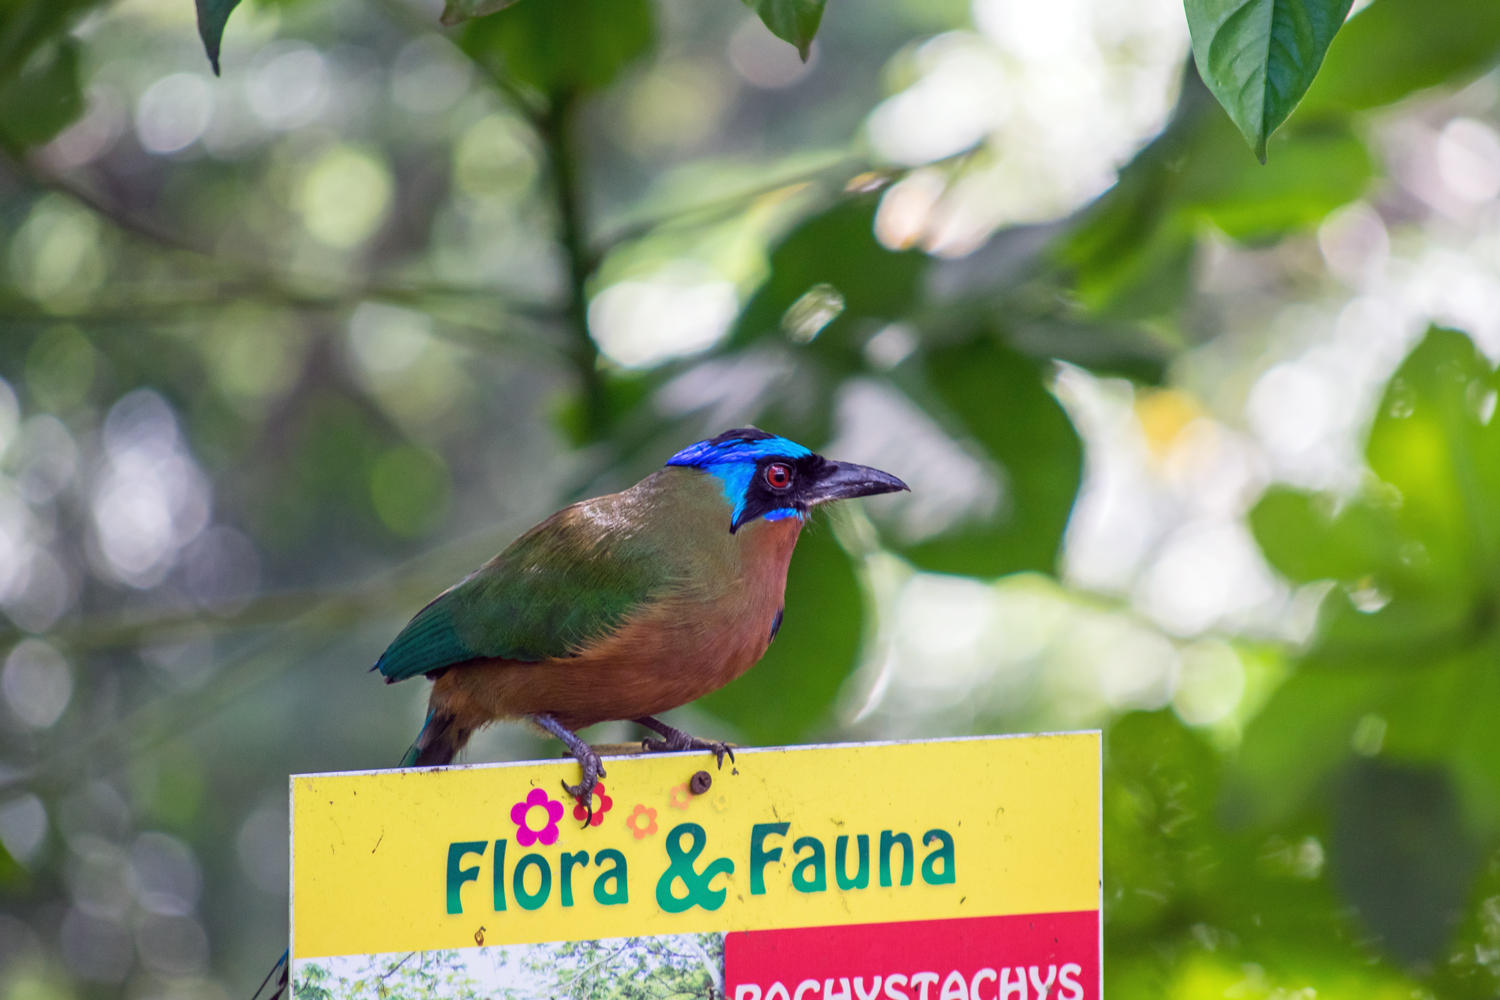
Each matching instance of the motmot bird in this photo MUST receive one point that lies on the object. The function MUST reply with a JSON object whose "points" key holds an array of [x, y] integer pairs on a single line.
{"points": [[626, 605]]}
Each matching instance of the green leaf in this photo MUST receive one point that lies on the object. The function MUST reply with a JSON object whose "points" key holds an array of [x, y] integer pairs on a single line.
{"points": [[1260, 56], [1476, 745], [836, 249], [1129, 255], [1396, 47], [43, 100], [1160, 783], [1299, 739], [794, 21], [1436, 441], [12, 875], [788, 693], [1000, 398], [1468, 970], [458, 11], [1306, 540], [212, 16], [1412, 650], [1313, 172], [562, 46]]}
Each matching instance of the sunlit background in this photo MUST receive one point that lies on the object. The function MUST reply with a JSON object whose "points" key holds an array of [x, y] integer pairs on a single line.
{"points": [[239, 449]]}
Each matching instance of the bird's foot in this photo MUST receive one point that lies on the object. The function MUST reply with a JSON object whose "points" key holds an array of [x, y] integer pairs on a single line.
{"points": [[588, 759], [676, 741], [583, 792]]}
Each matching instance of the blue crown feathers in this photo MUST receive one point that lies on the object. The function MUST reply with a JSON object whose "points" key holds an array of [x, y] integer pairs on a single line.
{"points": [[743, 445]]}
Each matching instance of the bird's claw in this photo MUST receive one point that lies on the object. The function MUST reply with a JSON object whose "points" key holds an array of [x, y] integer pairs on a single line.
{"points": [[679, 741], [583, 792], [585, 799]]}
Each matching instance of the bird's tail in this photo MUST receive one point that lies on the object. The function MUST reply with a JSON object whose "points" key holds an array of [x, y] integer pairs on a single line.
{"points": [[439, 741]]}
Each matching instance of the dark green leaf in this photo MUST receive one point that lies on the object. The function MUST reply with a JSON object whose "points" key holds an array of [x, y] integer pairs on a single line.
{"points": [[1399, 853], [785, 696], [1396, 47], [1260, 56], [794, 21], [212, 16], [1001, 400], [560, 46], [27, 27], [43, 100]]}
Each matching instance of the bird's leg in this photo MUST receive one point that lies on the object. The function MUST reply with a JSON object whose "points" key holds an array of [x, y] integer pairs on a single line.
{"points": [[593, 767], [674, 740]]}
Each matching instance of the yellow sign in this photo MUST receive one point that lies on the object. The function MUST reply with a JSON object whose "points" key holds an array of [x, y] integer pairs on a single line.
{"points": [[916, 835]]}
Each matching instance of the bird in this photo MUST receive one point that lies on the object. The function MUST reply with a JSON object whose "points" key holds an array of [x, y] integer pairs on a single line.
{"points": [[624, 606]]}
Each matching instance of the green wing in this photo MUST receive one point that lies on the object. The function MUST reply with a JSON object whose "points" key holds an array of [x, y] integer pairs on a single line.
{"points": [[565, 584]]}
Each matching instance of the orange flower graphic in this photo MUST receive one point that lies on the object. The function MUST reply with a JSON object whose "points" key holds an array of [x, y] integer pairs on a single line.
{"points": [[639, 819]]}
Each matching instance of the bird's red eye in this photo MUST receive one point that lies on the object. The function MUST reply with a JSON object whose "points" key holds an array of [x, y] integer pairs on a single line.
{"points": [[778, 475]]}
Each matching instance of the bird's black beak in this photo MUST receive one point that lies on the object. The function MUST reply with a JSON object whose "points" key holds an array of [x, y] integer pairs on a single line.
{"points": [[842, 480]]}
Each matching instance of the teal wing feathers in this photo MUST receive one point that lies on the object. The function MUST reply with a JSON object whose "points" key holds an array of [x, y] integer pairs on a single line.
{"points": [[567, 583]]}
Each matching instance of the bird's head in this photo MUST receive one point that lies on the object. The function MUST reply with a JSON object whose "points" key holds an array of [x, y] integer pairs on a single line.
{"points": [[770, 477]]}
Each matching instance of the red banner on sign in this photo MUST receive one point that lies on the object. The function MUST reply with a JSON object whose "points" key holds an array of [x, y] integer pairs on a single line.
{"points": [[1043, 956]]}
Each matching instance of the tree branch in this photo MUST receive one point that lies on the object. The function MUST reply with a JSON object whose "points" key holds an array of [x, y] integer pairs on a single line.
{"points": [[556, 131], [260, 280]]}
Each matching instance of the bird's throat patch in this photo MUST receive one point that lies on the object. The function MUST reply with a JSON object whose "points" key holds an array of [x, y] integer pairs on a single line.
{"points": [[964, 869]]}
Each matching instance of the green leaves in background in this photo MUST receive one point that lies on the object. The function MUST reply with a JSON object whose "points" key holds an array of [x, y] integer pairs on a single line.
{"points": [[1396, 47], [1260, 56], [792, 689], [213, 15], [794, 21], [40, 93], [834, 253], [1195, 907], [43, 99], [1404, 666], [1129, 253], [1000, 399], [562, 46], [832, 289]]}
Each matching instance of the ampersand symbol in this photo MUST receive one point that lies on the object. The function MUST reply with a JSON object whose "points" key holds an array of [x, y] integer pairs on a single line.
{"points": [[696, 883]]}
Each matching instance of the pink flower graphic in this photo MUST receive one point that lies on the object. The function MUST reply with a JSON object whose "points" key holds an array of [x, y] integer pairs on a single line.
{"points": [[525, 835]]}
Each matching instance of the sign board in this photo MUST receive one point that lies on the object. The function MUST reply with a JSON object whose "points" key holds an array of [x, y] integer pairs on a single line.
{"points": [[965, 869]]}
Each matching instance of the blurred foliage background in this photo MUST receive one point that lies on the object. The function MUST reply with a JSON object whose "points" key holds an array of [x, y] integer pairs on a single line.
{"points": [[1202, 451]]}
